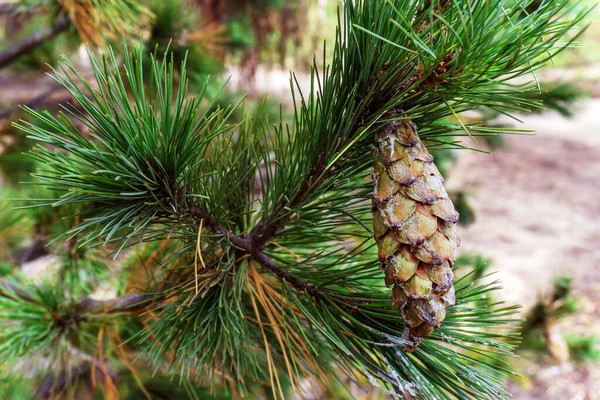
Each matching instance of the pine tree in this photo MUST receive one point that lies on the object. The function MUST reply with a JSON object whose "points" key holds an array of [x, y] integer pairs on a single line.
{"points": [[251, 260]]}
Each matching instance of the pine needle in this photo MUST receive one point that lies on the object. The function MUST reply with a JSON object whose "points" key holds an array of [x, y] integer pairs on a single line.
{"points": [[275, 320], [273, 375], [197, 255]]}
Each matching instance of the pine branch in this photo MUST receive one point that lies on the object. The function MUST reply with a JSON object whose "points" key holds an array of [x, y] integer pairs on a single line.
{"points": [[55, 384], [253, 245], [9, 8], [153, 161], [279, 217], [33, 41], [258, 254], [34, 103], [128, 303], [8, 289]]}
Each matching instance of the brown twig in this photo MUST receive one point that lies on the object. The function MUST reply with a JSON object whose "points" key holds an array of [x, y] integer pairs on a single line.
{"points": [[6, 286], [36, 250], [36, 39], [263, 259], [35, 102], [128, 303], [9, 8], [87, 371], [263, 233], [253, 246]]}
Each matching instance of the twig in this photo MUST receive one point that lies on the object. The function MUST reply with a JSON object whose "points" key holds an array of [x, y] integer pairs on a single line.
{"points": [[263, 259], [18, 292], [34, 103], [129, 303], [36, 250], [36, 39], [11, 8], [88, 368], [253, 247], [264, 233]]}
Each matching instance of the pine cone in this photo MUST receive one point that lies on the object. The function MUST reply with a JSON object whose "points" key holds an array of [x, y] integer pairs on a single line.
{"points": [[414, 224]]}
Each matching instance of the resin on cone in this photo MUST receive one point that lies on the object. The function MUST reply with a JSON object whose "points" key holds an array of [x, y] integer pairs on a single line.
{"points": [[414, 224]]}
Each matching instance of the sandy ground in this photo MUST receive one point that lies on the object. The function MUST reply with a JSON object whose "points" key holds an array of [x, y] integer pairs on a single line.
{"points": [[538, 216]]}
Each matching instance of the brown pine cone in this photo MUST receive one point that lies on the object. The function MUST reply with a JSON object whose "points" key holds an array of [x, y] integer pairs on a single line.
{"points": [[414, 223]]}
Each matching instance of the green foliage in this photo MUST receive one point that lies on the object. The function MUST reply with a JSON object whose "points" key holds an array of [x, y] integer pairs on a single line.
{"points": [[560, 304], [240, 33], [533, 337], [171, 19], [463, 206], [171, 28], [583, 349], [560, 97], [80, 273], [15, 226], [36, 324], [13, 387], [476, 263], [275, 276], [162, 387], [563, 294], [6, 268], [142, 176]]}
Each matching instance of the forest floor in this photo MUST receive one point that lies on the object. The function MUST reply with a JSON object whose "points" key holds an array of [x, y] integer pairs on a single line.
{"points": [[537, 217]]}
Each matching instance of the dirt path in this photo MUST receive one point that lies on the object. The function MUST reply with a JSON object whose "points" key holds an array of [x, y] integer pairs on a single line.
{"points": [[538, 215]]}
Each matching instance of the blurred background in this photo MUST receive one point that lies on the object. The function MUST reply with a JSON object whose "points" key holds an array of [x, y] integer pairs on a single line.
{"points": [[530, 209]]}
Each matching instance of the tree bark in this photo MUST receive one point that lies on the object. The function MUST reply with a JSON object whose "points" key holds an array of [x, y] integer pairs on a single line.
{"points": [[29, 43]]}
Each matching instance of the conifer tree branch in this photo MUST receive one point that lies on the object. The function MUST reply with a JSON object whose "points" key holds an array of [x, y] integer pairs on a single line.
{"points": [[7, 287], [263, 259], [9, 8], [33, 41], [128, 303], [159, 167], [253, 245], [263, 233]]}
